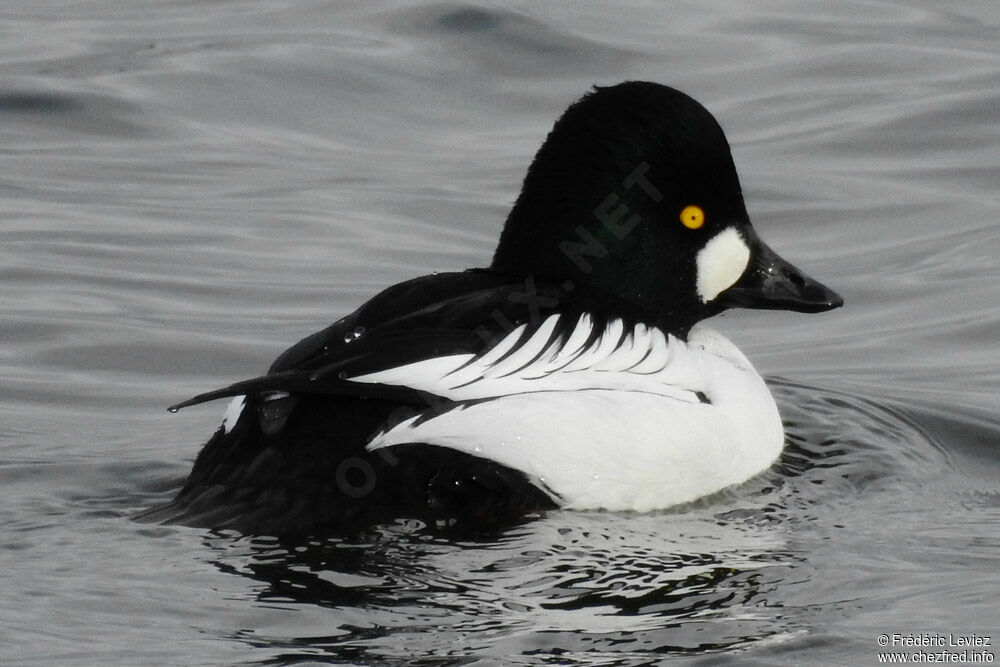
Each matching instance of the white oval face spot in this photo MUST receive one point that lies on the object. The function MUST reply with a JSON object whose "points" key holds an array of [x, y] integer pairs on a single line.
{"points": [[721, 263]]}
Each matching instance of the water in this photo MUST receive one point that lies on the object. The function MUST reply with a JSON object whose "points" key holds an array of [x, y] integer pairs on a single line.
{"points": [[191, 187]]}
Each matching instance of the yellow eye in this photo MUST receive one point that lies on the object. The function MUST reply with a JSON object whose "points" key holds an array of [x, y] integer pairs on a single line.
{"points": [[692, 217]]}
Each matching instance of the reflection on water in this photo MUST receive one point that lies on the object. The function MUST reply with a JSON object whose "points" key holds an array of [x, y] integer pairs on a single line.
{"points": [[571, 582]]}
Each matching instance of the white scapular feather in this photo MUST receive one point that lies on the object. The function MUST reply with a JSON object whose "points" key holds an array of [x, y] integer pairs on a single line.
{"points": [[617, 424], [542, 363], [525, 354], [233, 412]]}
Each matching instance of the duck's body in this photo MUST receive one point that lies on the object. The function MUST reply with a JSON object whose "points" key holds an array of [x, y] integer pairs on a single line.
{"points": [[571, 373], [550, 407]]}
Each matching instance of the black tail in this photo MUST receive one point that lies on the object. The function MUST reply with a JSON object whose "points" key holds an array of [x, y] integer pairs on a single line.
{"points": [[310, 471]]}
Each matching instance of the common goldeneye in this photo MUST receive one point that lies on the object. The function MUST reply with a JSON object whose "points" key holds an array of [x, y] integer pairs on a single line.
{"points": [[573, 372]]}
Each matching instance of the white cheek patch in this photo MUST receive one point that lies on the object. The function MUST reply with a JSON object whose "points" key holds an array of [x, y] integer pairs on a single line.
{"points": [[721, 263]]}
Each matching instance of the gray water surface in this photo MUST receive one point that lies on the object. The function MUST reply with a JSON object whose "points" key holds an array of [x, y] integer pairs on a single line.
{"points": [[189, 188]]}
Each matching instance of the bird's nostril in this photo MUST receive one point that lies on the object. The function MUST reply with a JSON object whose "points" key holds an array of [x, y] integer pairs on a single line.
{"points": [[797, 278]]}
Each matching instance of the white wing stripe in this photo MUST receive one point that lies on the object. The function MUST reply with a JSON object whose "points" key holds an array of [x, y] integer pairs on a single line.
{"points": [[578, 338], [416, 374], [528, 352], [606, 345], [500, 349], [656, 359], [642, 359]]}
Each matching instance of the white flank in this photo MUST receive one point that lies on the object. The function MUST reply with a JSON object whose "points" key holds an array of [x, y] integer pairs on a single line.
{"points": [[233, 412], [721, 263], [616, 425]]}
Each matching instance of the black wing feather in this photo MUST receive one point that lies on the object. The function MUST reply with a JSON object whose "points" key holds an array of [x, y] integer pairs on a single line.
{"points": [[431, 316]]}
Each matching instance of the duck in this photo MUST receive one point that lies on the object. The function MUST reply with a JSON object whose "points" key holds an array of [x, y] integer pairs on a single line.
{"points": [[575, 372]]}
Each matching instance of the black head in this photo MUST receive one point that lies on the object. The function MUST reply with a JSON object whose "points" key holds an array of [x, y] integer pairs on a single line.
{"points": [[634, 194]]}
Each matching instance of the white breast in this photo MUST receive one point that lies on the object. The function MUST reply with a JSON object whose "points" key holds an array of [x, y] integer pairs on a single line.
{"points": [[616, 424]]}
